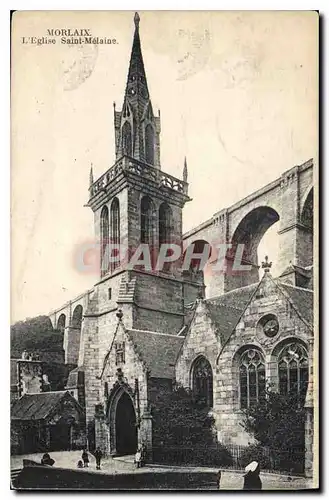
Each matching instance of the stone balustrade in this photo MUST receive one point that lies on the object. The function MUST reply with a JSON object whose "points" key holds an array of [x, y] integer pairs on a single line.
{"points": [[130, 165]]}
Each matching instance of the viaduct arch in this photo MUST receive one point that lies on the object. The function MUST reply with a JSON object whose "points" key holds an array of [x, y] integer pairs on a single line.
{"points": [[288, 200]]}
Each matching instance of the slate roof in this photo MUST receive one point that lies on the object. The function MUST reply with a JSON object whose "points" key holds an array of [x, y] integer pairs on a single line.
{"points": [[159, 351], [224, 317], [302, 299], [237, 298], [36, 406], [226, 310]]}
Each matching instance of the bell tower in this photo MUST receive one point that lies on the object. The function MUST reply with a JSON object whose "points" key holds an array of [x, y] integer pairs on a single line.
{"points": [[135, 202]]}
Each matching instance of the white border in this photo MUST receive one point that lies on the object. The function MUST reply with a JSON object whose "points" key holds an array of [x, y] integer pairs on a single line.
{"points": [[321, 5]]}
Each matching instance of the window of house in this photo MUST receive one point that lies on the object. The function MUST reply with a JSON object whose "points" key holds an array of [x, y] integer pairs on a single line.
{"points": [[252, 378]]}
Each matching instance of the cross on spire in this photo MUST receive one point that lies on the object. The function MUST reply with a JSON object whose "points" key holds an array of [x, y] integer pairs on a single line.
{"points": [[266, 265]]}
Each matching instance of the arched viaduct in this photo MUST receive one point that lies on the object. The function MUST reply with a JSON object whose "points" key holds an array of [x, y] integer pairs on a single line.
{"points": [[287, 200], [69, 319]]}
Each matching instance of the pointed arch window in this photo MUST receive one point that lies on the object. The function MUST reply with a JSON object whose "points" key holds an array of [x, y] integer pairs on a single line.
{"points": [[149, 144], [202, 381], [126, 139], [147, 220], [165, 223], [115, 232], [104, 240], [293, 369], [252, 378]]}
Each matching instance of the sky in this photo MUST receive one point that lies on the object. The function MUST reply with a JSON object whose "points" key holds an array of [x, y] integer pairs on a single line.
{"points": [[238, 97]]}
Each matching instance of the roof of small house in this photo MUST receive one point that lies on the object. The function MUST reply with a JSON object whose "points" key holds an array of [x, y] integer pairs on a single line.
{"points": [[159, 351], [37, 406]]}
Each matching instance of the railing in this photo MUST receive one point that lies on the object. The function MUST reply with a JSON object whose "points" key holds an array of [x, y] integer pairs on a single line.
{"points": [[232, 457], [127, 164]]}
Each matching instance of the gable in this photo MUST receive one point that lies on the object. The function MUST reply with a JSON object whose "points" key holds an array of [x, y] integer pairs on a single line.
{"points": [[201, 336], [273, 303]]}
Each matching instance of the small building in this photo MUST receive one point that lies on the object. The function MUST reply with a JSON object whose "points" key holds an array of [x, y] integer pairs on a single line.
{"points": [[47, 421]]}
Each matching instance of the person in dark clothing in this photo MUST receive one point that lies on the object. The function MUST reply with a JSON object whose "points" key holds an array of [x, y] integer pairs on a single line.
{"points": [[85, 458], [98, 456], [80, 464], [252, 480], [144, 453], [47, 460]]}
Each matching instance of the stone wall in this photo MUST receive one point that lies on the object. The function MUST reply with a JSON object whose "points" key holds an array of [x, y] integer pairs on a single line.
{"points": [[133, 380], [203, 339]]}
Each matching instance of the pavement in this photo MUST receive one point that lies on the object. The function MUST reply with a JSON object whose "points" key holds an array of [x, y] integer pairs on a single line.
{"points": [[231, 480]]}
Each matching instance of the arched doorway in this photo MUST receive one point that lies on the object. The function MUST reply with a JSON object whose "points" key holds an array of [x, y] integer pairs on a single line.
{"points": [[125, 426]]}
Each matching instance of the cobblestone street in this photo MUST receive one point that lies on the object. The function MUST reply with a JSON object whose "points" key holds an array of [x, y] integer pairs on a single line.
{"points": [[231, 480]]}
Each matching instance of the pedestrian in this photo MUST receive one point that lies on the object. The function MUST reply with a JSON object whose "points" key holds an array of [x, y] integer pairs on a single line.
{"points": [[98, 456], [138, 458], [85, 458], [219, 477], [143, 456], [252, 480], [47, 460], [80, 464]]}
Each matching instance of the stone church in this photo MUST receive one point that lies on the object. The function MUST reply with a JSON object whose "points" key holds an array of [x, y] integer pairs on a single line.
{"points": [[224, 335]]}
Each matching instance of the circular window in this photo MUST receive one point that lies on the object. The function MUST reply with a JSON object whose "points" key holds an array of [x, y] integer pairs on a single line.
{"points": [[269, 325]]}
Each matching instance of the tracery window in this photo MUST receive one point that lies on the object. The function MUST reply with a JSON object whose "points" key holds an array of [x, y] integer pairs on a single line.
{"points": [[165, 218], [293, 369], [126, 139], [146, 220], [252, 378], [104, 239], [149, 144], [202, 381], [119, 353], [115, 232]]}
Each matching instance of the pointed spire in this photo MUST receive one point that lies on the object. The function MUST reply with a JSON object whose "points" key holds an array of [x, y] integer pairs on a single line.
{"points": [[91, 176], [136, 20], [185, 170], [136, 82]]}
